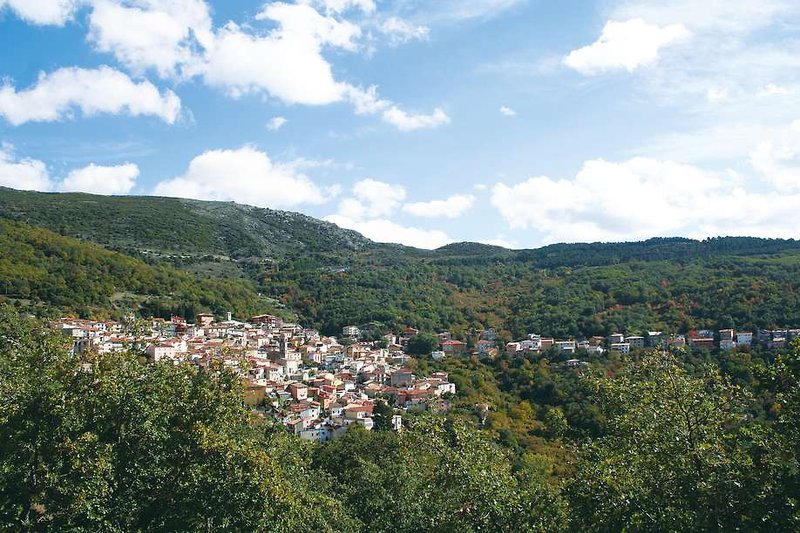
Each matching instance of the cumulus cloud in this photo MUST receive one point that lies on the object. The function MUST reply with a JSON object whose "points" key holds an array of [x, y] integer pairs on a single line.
{"points": [[452, 207], [58, 94], [625, 45], [371, 199], [641, 198], [177, 39], [97, 179], [157, 34], [383, 230], [245, 175], [369, 208], [24, 174], [276, 123], [507, 111], [405, 121], [400, 31], [42, 12], [33, 175], [367, 102], [287, 62]]}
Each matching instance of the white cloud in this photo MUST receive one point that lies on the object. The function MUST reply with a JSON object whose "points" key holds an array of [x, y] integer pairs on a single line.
{"points": [[400, 31], [367, 102], [340, 6], [625, 45], [103, 90], [741, 16], [177, 39], [24, 174], [382, 230], [507, 111], [631, 200], [97, 179], [778, 158], [367, 211], [276, 123], [246, 176], [405, 121], [452, 207], [43, 12], [372, 199], [287, 62], [157, 34]]}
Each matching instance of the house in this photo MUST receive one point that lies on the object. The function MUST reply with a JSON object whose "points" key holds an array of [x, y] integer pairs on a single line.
{"points": [[267, 321], [437, 355], [702, 342], [484, 346], [454, 347], [397, 423], [635, 341], [621, 347], [566, 346], [158, 352], [656, 338], [402, 378], [744, 338], [205, 319], [299, 391], [616, 338], [351, 331]]}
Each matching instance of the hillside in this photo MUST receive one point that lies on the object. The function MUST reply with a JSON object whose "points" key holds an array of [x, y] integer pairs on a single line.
{"points": [[332, 277], [47, 273], [178, 226]]}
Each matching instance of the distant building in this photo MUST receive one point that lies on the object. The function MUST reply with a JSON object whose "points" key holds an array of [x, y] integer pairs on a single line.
{"points": [[351, 331], [635, 341], [616, 338], [621, 347]]}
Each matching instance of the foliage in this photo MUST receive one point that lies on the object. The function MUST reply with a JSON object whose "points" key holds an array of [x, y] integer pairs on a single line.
{"points": [[64, 275], [422, 344], [436, 475], [106, 443], [679, 453]]}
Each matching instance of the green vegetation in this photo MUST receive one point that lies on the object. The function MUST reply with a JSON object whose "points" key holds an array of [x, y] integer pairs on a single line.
{"points": [[46, 273], [332, 277], [105, 442]]}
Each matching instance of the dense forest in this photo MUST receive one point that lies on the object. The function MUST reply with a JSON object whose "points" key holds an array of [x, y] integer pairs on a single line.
{"points": [[331, 277], [47, 274], [106, 442]]}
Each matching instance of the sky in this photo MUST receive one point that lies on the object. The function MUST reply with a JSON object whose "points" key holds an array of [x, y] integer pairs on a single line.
{"points": [[518, 123]]}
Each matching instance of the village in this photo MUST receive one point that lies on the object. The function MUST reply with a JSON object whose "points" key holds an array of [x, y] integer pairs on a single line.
{"points": [[318, 386]]}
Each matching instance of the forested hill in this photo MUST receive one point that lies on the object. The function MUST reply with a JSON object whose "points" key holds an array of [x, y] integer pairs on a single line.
{"points": [[46, 273], [177, 226], [333, 277]]}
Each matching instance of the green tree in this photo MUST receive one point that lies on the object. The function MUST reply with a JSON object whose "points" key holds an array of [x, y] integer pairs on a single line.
{"points": [[436, 475], [422, 344], [104, 442], [679, 454]]}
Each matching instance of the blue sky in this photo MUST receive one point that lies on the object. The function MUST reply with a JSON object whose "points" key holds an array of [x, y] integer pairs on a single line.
{"points": [[514, 122]]}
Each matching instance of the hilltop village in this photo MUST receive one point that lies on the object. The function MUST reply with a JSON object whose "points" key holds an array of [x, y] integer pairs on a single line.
{"points": [[318, 386]]}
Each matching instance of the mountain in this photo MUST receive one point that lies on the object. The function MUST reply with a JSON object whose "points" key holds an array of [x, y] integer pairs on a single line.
{"points": [[172, 226], [333, 277]]}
